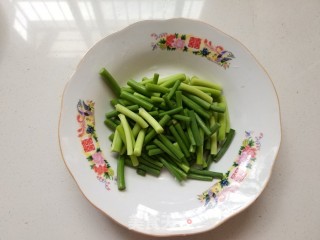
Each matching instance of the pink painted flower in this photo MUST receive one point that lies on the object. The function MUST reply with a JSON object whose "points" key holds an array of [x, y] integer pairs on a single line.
{"points": [[179, 43], [170, 40], [219, 49], [100, 169], [246, 154], [98, 159], [250, 151]]}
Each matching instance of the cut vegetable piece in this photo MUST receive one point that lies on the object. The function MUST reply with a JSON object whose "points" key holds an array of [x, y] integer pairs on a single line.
{"points": [[111, 136], [122, 134], [141, 172], [115, 113], [190, 135], [180, 142], [134, 160], [127, 89], [156, 99], [151, 135], [212, 91], [147, 163], [195, 129], [179, 98], [110, 81], [168, 103], [151, 160], [199, 177], [116, 143], [156, 88], [136, 129], [202, 125], [150, 170], [181, 118], [171, 112], [136, 100], [171, 169], [217, 175], [146, 80], [154, 113], [151, 146], [218, 107], [155, 78], [170, 80], [213, 138], [225, 145], [179, 171], [224, 101], [222, 129], [132, 115], [164, 148], [173, 89], [198, 101], [147, 99], [154, 123], [196, 92], [155, 151], [110, 124], [200, 82], [182, 134], [170, 146], [183, 165], [127, 133], [120, 174], [138, 88], [199, 159], [139, 143], [124, 102], [197, 108]]}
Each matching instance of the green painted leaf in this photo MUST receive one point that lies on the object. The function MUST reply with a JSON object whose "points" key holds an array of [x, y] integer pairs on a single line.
{"points": [[162, 41], [95, 137]]}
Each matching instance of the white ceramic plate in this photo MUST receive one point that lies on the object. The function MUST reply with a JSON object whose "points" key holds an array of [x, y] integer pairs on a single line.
{"points": [[161, 206]]}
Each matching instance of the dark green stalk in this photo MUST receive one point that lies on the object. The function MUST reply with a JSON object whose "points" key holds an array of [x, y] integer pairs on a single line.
{"points": [[192, 105], [199, 177], [110, 81], [217, 175], [171, 112], [225, 145], [139, 88], [195, 129], [136, 100], [120, 174]]}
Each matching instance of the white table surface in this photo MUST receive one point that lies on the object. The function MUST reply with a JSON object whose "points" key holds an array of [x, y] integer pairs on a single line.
{"points": [[41, 43]]}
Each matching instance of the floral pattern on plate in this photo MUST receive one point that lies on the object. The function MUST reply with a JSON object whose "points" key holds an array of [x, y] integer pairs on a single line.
{"points": [[89, 141], [193, 44], [237, 173]]}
